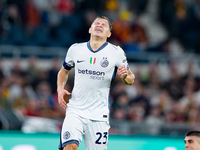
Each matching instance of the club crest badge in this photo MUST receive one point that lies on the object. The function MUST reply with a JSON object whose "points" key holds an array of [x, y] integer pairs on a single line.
{"points": [[66, 135], [104, 63]]}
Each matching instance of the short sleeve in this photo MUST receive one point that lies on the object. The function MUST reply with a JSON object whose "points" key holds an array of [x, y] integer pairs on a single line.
{"points": [[68, 63], [121, 58]]}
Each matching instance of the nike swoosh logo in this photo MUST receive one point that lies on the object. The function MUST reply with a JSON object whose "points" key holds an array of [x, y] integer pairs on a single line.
{"points": [[79, 61]]}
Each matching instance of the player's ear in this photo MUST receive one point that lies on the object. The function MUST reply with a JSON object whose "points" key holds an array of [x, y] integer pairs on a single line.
{"points": [[109, 34], [89, 30]]}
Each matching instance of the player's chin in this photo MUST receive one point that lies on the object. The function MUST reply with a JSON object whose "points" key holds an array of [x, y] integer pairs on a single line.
{"points": [[98, 34]]}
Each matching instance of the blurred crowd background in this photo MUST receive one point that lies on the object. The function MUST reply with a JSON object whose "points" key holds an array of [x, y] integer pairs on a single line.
{"points": [[165, 98]]}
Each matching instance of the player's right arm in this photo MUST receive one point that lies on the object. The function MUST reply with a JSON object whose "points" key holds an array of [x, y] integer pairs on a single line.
{"points": [[61, 81]]}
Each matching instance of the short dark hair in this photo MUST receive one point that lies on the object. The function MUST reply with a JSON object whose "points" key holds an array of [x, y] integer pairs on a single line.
{"points": [[193, 133], [109, 21]]}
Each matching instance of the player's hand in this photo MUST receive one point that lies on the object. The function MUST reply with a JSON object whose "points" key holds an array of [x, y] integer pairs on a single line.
{"points": [[61, 100], [122, 71]]}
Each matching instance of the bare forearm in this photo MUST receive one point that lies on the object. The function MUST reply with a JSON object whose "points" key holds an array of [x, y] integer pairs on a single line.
{"points": [[129, 79], [62, 78], [126, 75]]}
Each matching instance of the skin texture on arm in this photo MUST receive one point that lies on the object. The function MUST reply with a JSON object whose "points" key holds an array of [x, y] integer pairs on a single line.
{"points": [[126, 75], [61, 81]]}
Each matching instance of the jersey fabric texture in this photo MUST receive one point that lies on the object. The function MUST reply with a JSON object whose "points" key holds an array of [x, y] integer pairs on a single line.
{"points": [[94, 71]]}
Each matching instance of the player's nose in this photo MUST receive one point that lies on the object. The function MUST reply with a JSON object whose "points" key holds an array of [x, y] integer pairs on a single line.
{"points": [[186, 145]]}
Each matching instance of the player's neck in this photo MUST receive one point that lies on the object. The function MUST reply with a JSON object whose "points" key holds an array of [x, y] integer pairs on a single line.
{"points": [[96, 44]]}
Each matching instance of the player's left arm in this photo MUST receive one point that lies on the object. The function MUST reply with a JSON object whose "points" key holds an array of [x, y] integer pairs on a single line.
{"points": [[126, 75]]}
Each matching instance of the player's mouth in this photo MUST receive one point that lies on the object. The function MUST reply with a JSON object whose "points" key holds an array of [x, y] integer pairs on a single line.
{"points": [[99, 30]]}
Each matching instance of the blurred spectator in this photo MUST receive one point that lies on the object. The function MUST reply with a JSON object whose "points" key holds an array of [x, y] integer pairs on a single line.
{"points": [[162, 100], [52, 74], [10, 18], [33, 69], [88, 4], [193, 117], [142, 102], [132, 90], [5, 88], [17, 68], [178, 17], [42, 77], [121, 101], [111, 5], [117, 89], [121, 32], [19, 89], [1, 73], [50, 20], [32, 14], [4, 103], [155, 120], [66, 7], [21, 7], [112, 8], [190, 96], [174, 85], [19, 105], [139, 36], [48, 105], [18, 86], [82, 33], [42, 5], [3, 99], [33, 108], [191, 71], [176, 114], [154, 117], [163, 47], [136, 112], [129, 32], [120, 114]]}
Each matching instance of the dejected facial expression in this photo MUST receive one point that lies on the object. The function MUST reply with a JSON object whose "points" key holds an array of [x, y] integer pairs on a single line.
{"points": [[191, 143], [100, 28]]}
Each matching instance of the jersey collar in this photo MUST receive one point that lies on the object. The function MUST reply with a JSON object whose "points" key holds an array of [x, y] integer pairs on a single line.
{"points": [[100, 48]]}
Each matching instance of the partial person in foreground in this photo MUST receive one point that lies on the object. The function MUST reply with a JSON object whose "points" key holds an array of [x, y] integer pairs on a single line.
{"points": [[95, 64], [192, 140]]}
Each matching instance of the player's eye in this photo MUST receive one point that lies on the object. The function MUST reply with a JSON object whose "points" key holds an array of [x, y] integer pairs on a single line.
{"points": [[190, 141]]}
